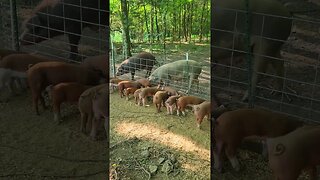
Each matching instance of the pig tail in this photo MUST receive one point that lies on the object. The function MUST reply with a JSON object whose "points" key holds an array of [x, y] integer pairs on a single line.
{"points": [[279, 149]]}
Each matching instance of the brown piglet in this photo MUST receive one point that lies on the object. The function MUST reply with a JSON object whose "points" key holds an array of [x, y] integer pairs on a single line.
{"points": [[147, 92], [85, 105], [159, 99], [44, 74], [298, 150], [171, 103], [100, 111], [231, 127], [127, 84], [65, 93], [129, 91], [202, 110], [183, 101]]}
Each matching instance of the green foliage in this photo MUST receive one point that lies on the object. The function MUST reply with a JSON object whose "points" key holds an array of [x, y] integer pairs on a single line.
{"points": [[164, 20]]}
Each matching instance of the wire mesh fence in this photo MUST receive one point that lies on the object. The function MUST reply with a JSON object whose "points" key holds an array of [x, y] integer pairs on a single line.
{"points": [[284, 54], [68, 29], [188, 72]]}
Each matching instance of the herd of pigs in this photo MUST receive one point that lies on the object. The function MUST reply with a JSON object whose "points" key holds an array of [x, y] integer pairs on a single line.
{"points": [[290, 144], [85, 84], [154, 85]]}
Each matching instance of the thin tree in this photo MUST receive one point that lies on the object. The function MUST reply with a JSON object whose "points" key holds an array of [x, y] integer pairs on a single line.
{"points": [[125, 28]]}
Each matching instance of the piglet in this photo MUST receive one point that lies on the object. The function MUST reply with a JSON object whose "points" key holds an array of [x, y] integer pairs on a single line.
{"points": [[231, 127], [171, 103], [202, 110], [65, 92], [183, 101], [147, 92], [144, 82], [126, 84], [129, 91], [160, 98], [85, 104], [136, 96], [291, 153], [100, 110]]}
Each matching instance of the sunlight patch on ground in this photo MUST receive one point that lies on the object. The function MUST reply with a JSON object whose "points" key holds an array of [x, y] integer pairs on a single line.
{"points": [[151, 132]]}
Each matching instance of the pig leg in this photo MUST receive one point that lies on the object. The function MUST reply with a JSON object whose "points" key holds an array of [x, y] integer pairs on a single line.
{"points": [[10, 87], [178, 111], [199, 121], [56, 112], [84, 118], [144, 101], [74, 42], [42, 101], [183, 111], [217, 155], [132, 75], [260, 65], [171, 109], [230, 152], [94, 127], [35, 100], [168, 110]]}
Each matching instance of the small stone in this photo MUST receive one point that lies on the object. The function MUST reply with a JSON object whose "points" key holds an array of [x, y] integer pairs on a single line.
{"points": [[167, 167], [145, 153], [153, 169], [172, 158], [161, 160]]}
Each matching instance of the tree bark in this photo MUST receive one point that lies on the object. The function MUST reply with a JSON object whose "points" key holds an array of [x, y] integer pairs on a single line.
{"points": [[125, 28]]}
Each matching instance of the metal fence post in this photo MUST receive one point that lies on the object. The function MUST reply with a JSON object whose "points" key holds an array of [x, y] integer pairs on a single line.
{"points": [[188, 78], [14, 25], [248, 56], [112, 57]]}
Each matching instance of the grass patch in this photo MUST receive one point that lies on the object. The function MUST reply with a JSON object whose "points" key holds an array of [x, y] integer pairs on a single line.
{"points": [[127, 158]]}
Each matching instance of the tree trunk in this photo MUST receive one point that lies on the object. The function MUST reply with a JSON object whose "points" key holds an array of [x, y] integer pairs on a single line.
{"points": [[146, 20], [185, 23], [190, 25], [156, 18], [202, 21], [151, 24], [125, 28]]}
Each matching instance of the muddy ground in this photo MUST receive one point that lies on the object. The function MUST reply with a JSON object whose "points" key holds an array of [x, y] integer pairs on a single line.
{"points": [[36, 147]]}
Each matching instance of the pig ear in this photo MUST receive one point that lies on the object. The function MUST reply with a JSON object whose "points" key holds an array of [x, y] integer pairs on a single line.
{"points": [[29, 66]]}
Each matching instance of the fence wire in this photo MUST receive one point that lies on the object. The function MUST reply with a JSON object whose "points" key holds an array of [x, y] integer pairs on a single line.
{"points": [[93, 40], [299, 94]]}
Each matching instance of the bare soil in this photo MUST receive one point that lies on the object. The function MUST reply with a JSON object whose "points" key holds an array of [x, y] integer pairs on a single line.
{"points": [[36, 147]]}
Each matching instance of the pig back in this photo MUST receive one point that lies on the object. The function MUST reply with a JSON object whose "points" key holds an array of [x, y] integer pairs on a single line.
{"points": [[6, 52], [57, 72], [97, 62], [21, 62], [142, 60]]}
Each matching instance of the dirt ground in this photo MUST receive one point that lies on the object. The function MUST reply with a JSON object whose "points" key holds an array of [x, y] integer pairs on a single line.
{"points": [[141, 138], [36, 147]]}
